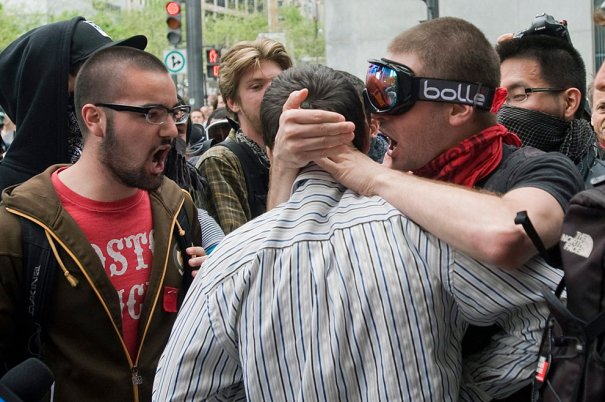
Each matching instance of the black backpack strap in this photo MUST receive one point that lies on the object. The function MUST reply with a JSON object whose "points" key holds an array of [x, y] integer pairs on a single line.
{"points": [[560, 287], [257, 176], [184, 240], [523, 219], [40, 266], [201, 147]]}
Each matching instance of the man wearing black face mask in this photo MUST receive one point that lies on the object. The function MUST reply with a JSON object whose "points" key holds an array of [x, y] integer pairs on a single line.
{"points": [[37, 75], [546, 82]]}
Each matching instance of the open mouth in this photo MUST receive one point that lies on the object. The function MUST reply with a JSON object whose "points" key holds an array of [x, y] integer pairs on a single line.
{"points": [[392, 142], [159, 158]]}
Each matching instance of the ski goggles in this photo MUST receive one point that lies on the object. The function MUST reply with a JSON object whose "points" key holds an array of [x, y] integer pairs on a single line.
{"points": [[392, 88]]}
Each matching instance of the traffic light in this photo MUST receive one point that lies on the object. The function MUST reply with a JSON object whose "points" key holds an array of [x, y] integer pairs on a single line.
{"points": [[213, 60], [173, 21]]}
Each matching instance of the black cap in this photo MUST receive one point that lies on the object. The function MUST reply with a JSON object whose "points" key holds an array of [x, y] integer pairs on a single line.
{"points": [[89, 38]]}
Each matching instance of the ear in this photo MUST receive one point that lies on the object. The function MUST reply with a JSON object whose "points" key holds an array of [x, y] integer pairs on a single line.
{"points": [[95, 119], [374, 127], [573, 101], [233, 105], [459, 114]]}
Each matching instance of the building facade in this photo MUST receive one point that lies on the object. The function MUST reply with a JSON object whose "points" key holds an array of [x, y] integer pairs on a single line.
{"points": [[357, 30]]}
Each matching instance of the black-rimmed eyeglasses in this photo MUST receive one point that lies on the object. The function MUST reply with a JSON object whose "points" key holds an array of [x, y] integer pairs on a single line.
{"points": [[156, 114], [520, 95]]}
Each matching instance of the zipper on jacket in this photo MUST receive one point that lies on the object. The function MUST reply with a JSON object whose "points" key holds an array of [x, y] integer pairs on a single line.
{"points": [[136, 377]]}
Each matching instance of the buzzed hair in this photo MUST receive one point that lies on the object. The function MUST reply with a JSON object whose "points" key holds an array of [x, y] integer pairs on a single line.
{"points": [[561, 65], [452, 49], [328, 90], [101, 79], [244, 55]]}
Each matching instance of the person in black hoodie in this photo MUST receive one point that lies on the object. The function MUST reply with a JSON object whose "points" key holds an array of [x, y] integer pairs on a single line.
{"points": [[37, 72]]}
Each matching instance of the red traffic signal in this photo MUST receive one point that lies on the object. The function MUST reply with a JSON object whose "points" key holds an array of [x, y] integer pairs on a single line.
{"points": [[213, 70], [213, 59], [173, 8], [173, 21], [212, 56]]}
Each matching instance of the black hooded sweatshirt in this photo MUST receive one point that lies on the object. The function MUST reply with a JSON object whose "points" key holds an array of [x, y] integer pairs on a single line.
{"points": [[34, 72]]}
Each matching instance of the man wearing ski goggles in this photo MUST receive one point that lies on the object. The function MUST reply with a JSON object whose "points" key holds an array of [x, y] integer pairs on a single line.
{"points": [[451, 168], [435, 99], [393, 88]]}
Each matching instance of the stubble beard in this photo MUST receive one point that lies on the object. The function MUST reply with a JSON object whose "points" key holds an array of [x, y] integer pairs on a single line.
{"points": [[111, 158]]}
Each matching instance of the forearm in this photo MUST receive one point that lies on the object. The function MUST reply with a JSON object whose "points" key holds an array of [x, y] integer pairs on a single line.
{"points": [[477, 223]]}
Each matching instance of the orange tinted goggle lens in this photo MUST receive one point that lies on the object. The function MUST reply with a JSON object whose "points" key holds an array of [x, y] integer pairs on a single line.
{"points": [[381, 86]]}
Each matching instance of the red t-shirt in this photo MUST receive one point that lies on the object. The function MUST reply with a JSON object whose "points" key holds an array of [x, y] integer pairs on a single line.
{"points": [[121, 232]]}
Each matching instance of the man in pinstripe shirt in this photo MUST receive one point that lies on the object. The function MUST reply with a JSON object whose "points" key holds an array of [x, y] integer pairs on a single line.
{"points": [[335, 296]]}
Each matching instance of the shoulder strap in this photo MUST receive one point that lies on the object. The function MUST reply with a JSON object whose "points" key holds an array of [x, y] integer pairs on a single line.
{"points": [[523, 219], [257, 176], [201, 147], [40, 265], [184, 240]]}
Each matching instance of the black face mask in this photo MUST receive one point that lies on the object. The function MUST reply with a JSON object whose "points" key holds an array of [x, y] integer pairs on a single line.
{"points": [[548, 133]]}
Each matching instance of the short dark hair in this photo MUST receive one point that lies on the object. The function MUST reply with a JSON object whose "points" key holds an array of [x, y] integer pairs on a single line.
{"points": [[452, 49], [328, 90], [101, 78], [561, 65]]}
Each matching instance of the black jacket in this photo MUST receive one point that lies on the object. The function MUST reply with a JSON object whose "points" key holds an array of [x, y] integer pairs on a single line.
{"points": [[34, 72]]}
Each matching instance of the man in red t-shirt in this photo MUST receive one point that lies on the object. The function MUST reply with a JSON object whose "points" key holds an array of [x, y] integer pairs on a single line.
{"points": [[111, 219]]}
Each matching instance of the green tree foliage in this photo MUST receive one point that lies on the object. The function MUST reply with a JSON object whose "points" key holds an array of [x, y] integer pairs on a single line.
{"points": [[118, 24], [225, 30], [11, 26], [303, 40], [148, 22]]}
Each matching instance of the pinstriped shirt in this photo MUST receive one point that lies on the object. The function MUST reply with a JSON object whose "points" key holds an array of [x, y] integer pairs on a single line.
{"points": [[337, 297]]}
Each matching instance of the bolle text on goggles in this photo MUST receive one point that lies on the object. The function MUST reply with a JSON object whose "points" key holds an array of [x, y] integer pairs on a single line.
{"points": [[392, 88]]}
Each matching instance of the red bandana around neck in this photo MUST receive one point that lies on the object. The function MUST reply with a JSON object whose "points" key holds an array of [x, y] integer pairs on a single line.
{"points": [[472, 159]]}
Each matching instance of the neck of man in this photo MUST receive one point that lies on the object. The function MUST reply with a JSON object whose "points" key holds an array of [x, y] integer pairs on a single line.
{"points": [[251, 132], [88, 178]]}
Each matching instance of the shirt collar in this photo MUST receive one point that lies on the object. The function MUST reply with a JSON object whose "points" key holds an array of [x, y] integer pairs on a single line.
{"points": [[312, 172]]}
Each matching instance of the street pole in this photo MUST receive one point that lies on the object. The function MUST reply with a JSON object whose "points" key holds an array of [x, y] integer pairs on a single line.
{"points": [[432, 9], [272, 14], [194, 53]]}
